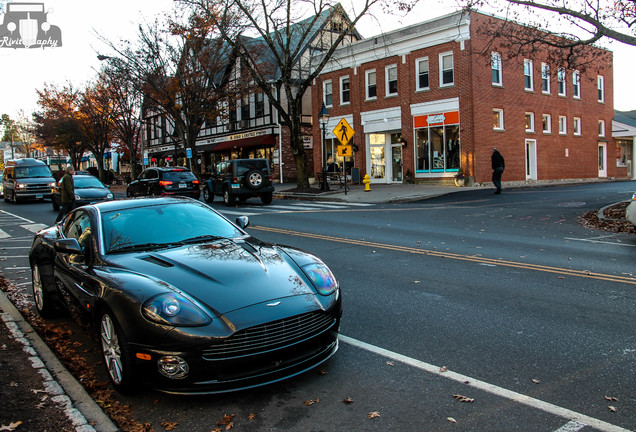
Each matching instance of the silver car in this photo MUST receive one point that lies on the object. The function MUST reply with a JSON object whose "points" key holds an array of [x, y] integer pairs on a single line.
{"points": [[630, 213]]}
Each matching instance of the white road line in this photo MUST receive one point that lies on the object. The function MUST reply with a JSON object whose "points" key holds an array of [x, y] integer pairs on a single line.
{"points": [[344, 204], [16, 216], [290, 207], [572, 426], [4, 234], [34, 227], [602, 242], [319, 206], [490, 388], [239, 213]]}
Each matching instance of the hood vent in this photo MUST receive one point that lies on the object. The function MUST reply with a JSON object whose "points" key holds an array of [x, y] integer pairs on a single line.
{"points": [[156, 260]]}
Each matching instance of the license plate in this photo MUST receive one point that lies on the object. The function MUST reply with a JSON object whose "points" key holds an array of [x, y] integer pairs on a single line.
{"points": [[182, 185], [39, 196], [236, 186]]}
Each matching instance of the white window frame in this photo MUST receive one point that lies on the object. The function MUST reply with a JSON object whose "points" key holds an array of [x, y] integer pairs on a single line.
{"points": [[576, 126], [496, 66], [561, 82], [442, 56], [527, 75], [546, 124], [387, 71], [366, 84], [530, 115], [500, 126], [600, 86], [545, 78], [563, 125], [418, 72], [601, 128], [327, 84], [576, 84], [342, 80]]}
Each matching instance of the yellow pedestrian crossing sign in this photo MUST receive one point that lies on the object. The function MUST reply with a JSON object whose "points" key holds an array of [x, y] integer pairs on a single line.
{"points": [[343, 131], [345, 151]]}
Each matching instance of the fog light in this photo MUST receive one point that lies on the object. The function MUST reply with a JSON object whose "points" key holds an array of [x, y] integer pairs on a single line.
{"points": [[173, 367]]}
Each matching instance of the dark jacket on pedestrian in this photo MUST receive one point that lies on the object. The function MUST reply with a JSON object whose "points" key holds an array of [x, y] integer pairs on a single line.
{"points": [[67, 189], [497, 160]]}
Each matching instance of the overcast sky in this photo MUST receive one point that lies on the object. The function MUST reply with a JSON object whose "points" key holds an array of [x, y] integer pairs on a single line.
{"points": [[24, 70]]}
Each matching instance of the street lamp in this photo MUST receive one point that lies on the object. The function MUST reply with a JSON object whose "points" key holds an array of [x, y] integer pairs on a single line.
{"points": [[323, 118]]}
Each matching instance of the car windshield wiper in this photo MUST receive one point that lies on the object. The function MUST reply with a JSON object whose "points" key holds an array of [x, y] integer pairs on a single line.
{"points": [[200, 239], [140, 247]]}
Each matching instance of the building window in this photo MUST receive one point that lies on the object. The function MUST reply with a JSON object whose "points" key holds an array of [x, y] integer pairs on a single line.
{"points": [[547, 123], [529, 122], [497, 119], [576, 85], [245, 108], [561, 81], [601, 128], [438, 149], [372, 90], [545, 78], [600, 85], [345, 91], [446, 63], [495, 65], [327, 91], [527, 75], [421, 66], [576, 126], [391, 77], [563, 125], [259, 104]]}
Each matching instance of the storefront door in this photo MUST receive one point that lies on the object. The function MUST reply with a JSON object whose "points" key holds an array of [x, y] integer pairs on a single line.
{"points": [[602, 160], [531, 159], [385, 157], [396, 163]]}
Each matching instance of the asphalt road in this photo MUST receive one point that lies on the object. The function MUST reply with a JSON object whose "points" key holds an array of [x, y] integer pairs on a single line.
{"points": [[505, 300]]}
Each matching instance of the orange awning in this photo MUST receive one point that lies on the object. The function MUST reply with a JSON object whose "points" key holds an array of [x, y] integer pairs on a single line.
{"points": [[264, 140]]}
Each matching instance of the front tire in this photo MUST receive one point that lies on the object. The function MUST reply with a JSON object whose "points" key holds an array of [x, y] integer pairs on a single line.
{"points": [[228, 199], [43, 300], [116, 352], [207, 195], [266, 198]]}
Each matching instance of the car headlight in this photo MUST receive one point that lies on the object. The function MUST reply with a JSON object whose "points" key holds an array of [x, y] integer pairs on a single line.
{"points": [[323, 279], [21, 186], [174, 309], [109, 196], [52, 184], [77, 197]]}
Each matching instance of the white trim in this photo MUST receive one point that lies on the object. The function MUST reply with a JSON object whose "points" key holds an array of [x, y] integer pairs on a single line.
{"points": [[433, 107], [381, 120]]}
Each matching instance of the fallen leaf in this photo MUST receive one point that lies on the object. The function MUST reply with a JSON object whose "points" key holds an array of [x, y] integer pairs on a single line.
{"points": [[169, 425], [11, 426], [416, 282], [612, 409], [348, 400], [536, 381], [251, 417], [390, 363], [462, 398], [443, 369], [610, 398], [450, 419], [311, 402], [322, 372], [373, 414]]}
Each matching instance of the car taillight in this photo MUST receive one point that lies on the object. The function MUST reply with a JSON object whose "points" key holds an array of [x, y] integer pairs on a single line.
{"points": [[195, 181], [271, 178], [235, 180], [164, 182]]}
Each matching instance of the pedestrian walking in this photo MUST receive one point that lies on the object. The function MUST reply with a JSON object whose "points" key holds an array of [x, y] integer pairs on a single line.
{"points": [[498, 166], [67, 193]]}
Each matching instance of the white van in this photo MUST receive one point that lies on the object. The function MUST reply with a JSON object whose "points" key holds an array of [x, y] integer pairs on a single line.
{"points": [[25, 179]]}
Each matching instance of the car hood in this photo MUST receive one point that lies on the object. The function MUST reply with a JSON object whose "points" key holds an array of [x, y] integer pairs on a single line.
{"points": [[95, 192], [225, 275]]}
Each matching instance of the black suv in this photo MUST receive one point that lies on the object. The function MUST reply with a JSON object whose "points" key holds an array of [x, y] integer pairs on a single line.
{"points": [[240, 179], [165, 181]]}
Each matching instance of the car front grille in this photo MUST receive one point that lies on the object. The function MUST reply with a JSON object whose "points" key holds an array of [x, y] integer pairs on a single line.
{"points": [[270, 336], [34, 188]]}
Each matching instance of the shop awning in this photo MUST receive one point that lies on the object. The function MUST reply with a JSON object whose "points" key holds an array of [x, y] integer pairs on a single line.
{"points": [[264, 140]]}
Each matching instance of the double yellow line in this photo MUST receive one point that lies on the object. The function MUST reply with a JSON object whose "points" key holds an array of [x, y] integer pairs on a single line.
{"points": [[470, 258]]}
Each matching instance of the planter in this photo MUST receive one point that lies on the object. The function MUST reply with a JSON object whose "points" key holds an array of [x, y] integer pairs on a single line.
{"points": [[459, 182]]}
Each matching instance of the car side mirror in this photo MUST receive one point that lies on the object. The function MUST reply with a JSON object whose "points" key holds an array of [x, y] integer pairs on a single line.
{"points": [[68, 245], [243, 221]]}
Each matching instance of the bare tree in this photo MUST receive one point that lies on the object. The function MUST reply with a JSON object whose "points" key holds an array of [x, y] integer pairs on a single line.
{"points": [[178, 66], [565, 28], [279, 57]]}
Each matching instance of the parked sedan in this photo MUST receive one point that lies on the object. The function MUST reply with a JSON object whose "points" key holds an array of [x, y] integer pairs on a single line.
{"points": [[165, 181], [185, 300], [630, 212], [88, 189]]}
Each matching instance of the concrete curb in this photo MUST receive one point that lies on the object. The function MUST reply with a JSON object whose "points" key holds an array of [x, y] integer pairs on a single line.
{"points": [[601, 212], [64, 389]]}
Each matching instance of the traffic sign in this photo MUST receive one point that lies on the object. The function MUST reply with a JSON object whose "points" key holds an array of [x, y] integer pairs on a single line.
{"points": [[343, 131], [345, 151]]}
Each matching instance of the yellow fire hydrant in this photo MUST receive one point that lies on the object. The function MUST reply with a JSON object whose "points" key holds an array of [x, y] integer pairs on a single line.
{"points": [[367, 181]]}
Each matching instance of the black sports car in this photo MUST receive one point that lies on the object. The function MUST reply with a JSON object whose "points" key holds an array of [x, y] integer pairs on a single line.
{"points": [[88, 189], [183, 298]]}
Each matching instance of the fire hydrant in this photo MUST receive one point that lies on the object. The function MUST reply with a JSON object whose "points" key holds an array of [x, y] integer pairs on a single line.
{"points": [[367, 180]]}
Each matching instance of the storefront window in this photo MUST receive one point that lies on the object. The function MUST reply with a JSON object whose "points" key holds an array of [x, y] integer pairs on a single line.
{"points": [[623, 152], [438, 149], [378, 161]]}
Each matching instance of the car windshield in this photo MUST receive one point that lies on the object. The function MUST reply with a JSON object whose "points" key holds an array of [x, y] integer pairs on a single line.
{"points": [[32, 171], [178, 176], [163, 225], [83, 182]]}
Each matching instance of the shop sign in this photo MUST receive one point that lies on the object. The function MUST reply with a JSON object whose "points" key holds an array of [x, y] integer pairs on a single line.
{"points": [[308, 142], [436, 119]]}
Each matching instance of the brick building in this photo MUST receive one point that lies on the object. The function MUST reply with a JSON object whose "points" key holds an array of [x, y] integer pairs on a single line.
{"points": [[425, 101]]}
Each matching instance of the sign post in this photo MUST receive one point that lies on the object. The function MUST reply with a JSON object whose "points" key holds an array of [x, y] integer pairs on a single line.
{"points": [[344, 133]]}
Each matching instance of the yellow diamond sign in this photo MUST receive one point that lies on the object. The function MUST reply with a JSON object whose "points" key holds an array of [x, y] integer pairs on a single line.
{"points": [[343, 131]]}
